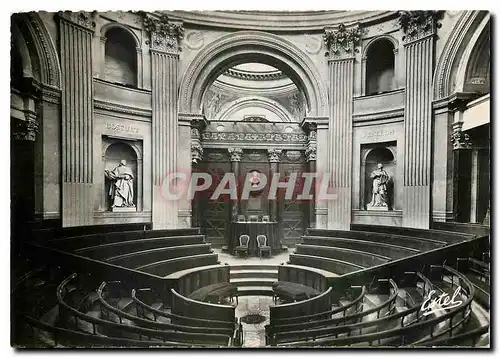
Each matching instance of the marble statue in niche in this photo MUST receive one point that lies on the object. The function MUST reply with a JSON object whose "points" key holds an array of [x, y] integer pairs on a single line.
{"points": [[121, 190], [379, 189]]}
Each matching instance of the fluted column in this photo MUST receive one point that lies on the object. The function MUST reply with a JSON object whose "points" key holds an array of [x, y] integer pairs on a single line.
{"points": [[235, 158], [311, 155], [274, 157], [165, 37], [420, 28], [341, 44], [190, 154], [75, 40]]}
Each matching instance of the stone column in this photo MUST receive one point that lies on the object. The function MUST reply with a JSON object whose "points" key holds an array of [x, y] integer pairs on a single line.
{"points": [[165, 37], [341, 44], [190, 128], [310, 154], [75, 40], [420, 29], [274, 157], [235, 158]]}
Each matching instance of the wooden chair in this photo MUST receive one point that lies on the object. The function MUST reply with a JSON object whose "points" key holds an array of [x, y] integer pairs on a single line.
{"points": [[243, 247], [253, 218], [262, 245], [265, 218], [242, 218]]}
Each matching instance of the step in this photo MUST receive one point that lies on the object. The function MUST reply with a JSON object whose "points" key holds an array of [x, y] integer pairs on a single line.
{"points": [[254, 274], [253, 281], [255, 291], [234, 268]]}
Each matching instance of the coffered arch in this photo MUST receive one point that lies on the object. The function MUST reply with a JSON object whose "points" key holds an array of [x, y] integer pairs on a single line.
{"points": [[251, 46]]}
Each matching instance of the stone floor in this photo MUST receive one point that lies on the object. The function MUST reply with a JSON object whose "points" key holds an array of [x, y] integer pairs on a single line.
{"points": [[254, 334], [225, 257]]}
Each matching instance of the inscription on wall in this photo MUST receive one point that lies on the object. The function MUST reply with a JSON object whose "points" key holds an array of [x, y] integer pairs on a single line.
{"points": [[121, 128], [379, 133]]}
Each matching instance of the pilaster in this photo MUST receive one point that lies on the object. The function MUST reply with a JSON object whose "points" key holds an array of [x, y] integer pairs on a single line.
{"points": [[235, 158], [311, 129], [342, 45], [420, 28], [165, 38], [274, 157], [75, 40]]}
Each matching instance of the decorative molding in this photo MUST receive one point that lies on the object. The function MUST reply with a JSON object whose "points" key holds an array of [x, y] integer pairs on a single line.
{"points": [[274, 155], [165, 35], [235, 154], [452, 49], [254, 137], [293, 155], [81, 18], [342, 42], [311, 148], [121, 108], [365, 117], [418, 24], [255, 76], [194, 40]]}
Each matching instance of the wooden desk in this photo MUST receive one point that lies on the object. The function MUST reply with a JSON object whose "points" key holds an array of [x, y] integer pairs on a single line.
{"points": [[252, 229]]}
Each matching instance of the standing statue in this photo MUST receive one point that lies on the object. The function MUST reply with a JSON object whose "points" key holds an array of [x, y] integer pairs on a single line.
{"points": [[379, 188], [122, 186]]}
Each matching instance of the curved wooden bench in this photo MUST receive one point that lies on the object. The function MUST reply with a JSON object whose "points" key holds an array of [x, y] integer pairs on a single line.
{"points": [[145, 257], [405, 334], [184, 306], [117, 329], [378, 248], [72, 338], [73, 243], [166, 267], [123, 247], [338, 267], [318, 328], [314, 304], [418, 243], [446, 236], [360, 258], [142, 306], [106, 306]]}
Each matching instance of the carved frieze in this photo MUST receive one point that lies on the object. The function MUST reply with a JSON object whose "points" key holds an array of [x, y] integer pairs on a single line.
{"points": [[235, 154], [419, 24], [274, 155], [81, 18], [342, 42], [165, 34], [255, 137]]}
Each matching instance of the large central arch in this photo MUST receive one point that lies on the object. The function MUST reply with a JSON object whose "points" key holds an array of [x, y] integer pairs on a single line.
{"points": [[251, 46]]}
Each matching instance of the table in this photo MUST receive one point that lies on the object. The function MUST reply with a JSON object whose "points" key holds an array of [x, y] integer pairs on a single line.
{"points": [[252, 229]]}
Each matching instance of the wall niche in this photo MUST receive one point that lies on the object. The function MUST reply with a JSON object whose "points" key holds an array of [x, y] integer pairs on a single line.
{"points": [[371, 156], [114, 151]]}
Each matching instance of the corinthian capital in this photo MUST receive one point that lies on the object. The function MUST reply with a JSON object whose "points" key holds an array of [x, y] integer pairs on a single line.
{"points": [[25, 129], [165, 34], [459, 139], [235, 154], [342, 42], [419, 24], [80, 18], [274, 155]]}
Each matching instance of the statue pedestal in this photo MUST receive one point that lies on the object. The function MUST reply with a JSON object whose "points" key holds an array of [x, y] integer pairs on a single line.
{"points": [[124, 209], [377, 208]]}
